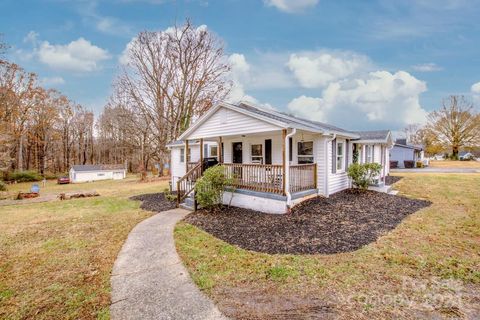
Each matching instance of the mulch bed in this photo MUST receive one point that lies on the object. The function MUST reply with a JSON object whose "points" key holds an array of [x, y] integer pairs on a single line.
{"points": [[389, 180], [346, 221], [155, 202]]}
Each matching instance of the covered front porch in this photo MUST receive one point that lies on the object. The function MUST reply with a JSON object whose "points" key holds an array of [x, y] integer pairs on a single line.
{"points": [[277, 162]]}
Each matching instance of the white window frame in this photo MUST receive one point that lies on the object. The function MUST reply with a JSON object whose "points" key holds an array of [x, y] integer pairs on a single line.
{"points": [[304, 156], [369, 153], [258, 159], [340, 160], [182, 155]]}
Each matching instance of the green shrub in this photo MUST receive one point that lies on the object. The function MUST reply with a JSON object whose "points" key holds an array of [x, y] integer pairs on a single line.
{"points": [[3, 186], [210, 187], [364, 174], [419, 164], [23, 176]]}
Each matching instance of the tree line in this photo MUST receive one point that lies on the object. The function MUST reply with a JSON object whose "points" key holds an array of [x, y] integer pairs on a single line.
{"points": [[40, 129], [168, 79]]}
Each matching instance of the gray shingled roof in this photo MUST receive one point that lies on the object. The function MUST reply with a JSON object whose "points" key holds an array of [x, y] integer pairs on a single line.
{"points": [[380, 135], [98, 167], [291, 119]]}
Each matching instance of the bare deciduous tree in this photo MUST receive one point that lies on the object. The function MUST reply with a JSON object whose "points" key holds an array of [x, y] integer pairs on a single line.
{"points": [[456, 124], [170, 78]]}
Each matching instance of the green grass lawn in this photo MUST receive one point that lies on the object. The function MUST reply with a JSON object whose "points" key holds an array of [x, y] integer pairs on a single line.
{"points": [[434, 253], [56, 257]]}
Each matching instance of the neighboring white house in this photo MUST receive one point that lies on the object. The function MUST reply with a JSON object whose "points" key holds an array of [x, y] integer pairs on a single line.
{"points": [[402, 152], [277, 159], [90, 172]]}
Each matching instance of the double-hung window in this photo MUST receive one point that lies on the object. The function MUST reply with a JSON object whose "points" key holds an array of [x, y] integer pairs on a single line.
{"points": [[340, 156], [305, 152], [257, 153], [369, 154], [182, 155]]}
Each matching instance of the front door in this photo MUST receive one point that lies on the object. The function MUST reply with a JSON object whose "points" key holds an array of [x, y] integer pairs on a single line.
{"points": [[237, 157], [237, 152]]}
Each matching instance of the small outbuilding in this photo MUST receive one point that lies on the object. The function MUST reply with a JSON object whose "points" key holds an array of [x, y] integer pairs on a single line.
{"points": [[95, 172], [403, 152]]}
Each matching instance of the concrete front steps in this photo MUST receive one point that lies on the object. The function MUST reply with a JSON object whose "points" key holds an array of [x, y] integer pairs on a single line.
{"points": [[383, 188], [188, 203]]}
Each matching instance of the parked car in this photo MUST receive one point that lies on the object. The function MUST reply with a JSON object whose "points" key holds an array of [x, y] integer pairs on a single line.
{"points": [[466, 156], [63, 180]]}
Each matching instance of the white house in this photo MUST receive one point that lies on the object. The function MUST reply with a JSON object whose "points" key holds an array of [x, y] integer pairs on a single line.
{"points": [[277, 160], [402, 152], [89, 172]]}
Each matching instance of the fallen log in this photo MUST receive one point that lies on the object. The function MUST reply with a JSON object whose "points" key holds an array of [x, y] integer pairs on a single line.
{"points": [[74, 195], [27, 195]]}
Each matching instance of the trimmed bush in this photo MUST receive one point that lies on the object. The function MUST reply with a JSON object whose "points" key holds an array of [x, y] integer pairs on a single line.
{"points": [[3, 186], [23, 176], [364, 174], [210, 187], [419, 164], [393, 164]]}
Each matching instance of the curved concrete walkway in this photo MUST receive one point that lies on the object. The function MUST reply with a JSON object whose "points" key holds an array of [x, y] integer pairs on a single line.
{"points": [[149, 280]]}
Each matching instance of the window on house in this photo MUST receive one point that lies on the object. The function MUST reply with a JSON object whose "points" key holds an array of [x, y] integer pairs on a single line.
{"points": [[305, 152], [369, 154], [182, 155], [340, 156], [257, 153], [213, 151]]}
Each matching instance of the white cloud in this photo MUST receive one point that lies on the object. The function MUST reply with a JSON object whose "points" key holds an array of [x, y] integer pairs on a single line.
{"points": [[291, 6], [31, 37], [476, 88], [52, 81], [317, 69], [78, 56], [304, 105], [381, 98], [427, 67], [106, 24], [239, 74]]}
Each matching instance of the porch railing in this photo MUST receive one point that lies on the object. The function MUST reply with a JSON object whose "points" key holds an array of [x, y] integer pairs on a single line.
{"points": [[256, 177], [303, 177], [191, 165], [186, 184]]}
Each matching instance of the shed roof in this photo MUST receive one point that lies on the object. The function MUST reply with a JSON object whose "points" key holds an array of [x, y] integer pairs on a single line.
{"points": [[98, 167]]}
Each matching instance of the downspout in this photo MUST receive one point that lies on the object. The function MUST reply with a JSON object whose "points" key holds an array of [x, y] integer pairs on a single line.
{"points": [[287, 168], [327, 141]]}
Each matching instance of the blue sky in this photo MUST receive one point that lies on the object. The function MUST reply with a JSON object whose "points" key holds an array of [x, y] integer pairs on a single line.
{"points": [[356, 64]]}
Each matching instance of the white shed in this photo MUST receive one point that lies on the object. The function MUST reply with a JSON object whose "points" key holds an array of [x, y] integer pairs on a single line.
{"points": [[89, 172]]}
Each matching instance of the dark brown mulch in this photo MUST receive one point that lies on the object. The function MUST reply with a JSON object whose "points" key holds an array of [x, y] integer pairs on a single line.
{"points": [[389, 180], [155, 202], [344, 222]]}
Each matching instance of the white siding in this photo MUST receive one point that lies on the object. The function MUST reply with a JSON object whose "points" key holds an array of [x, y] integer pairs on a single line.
{"points": [[226, 122], [248, 140], [321, 167], [400, 154], [87, 176], [178, 169], [336, 181]]}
